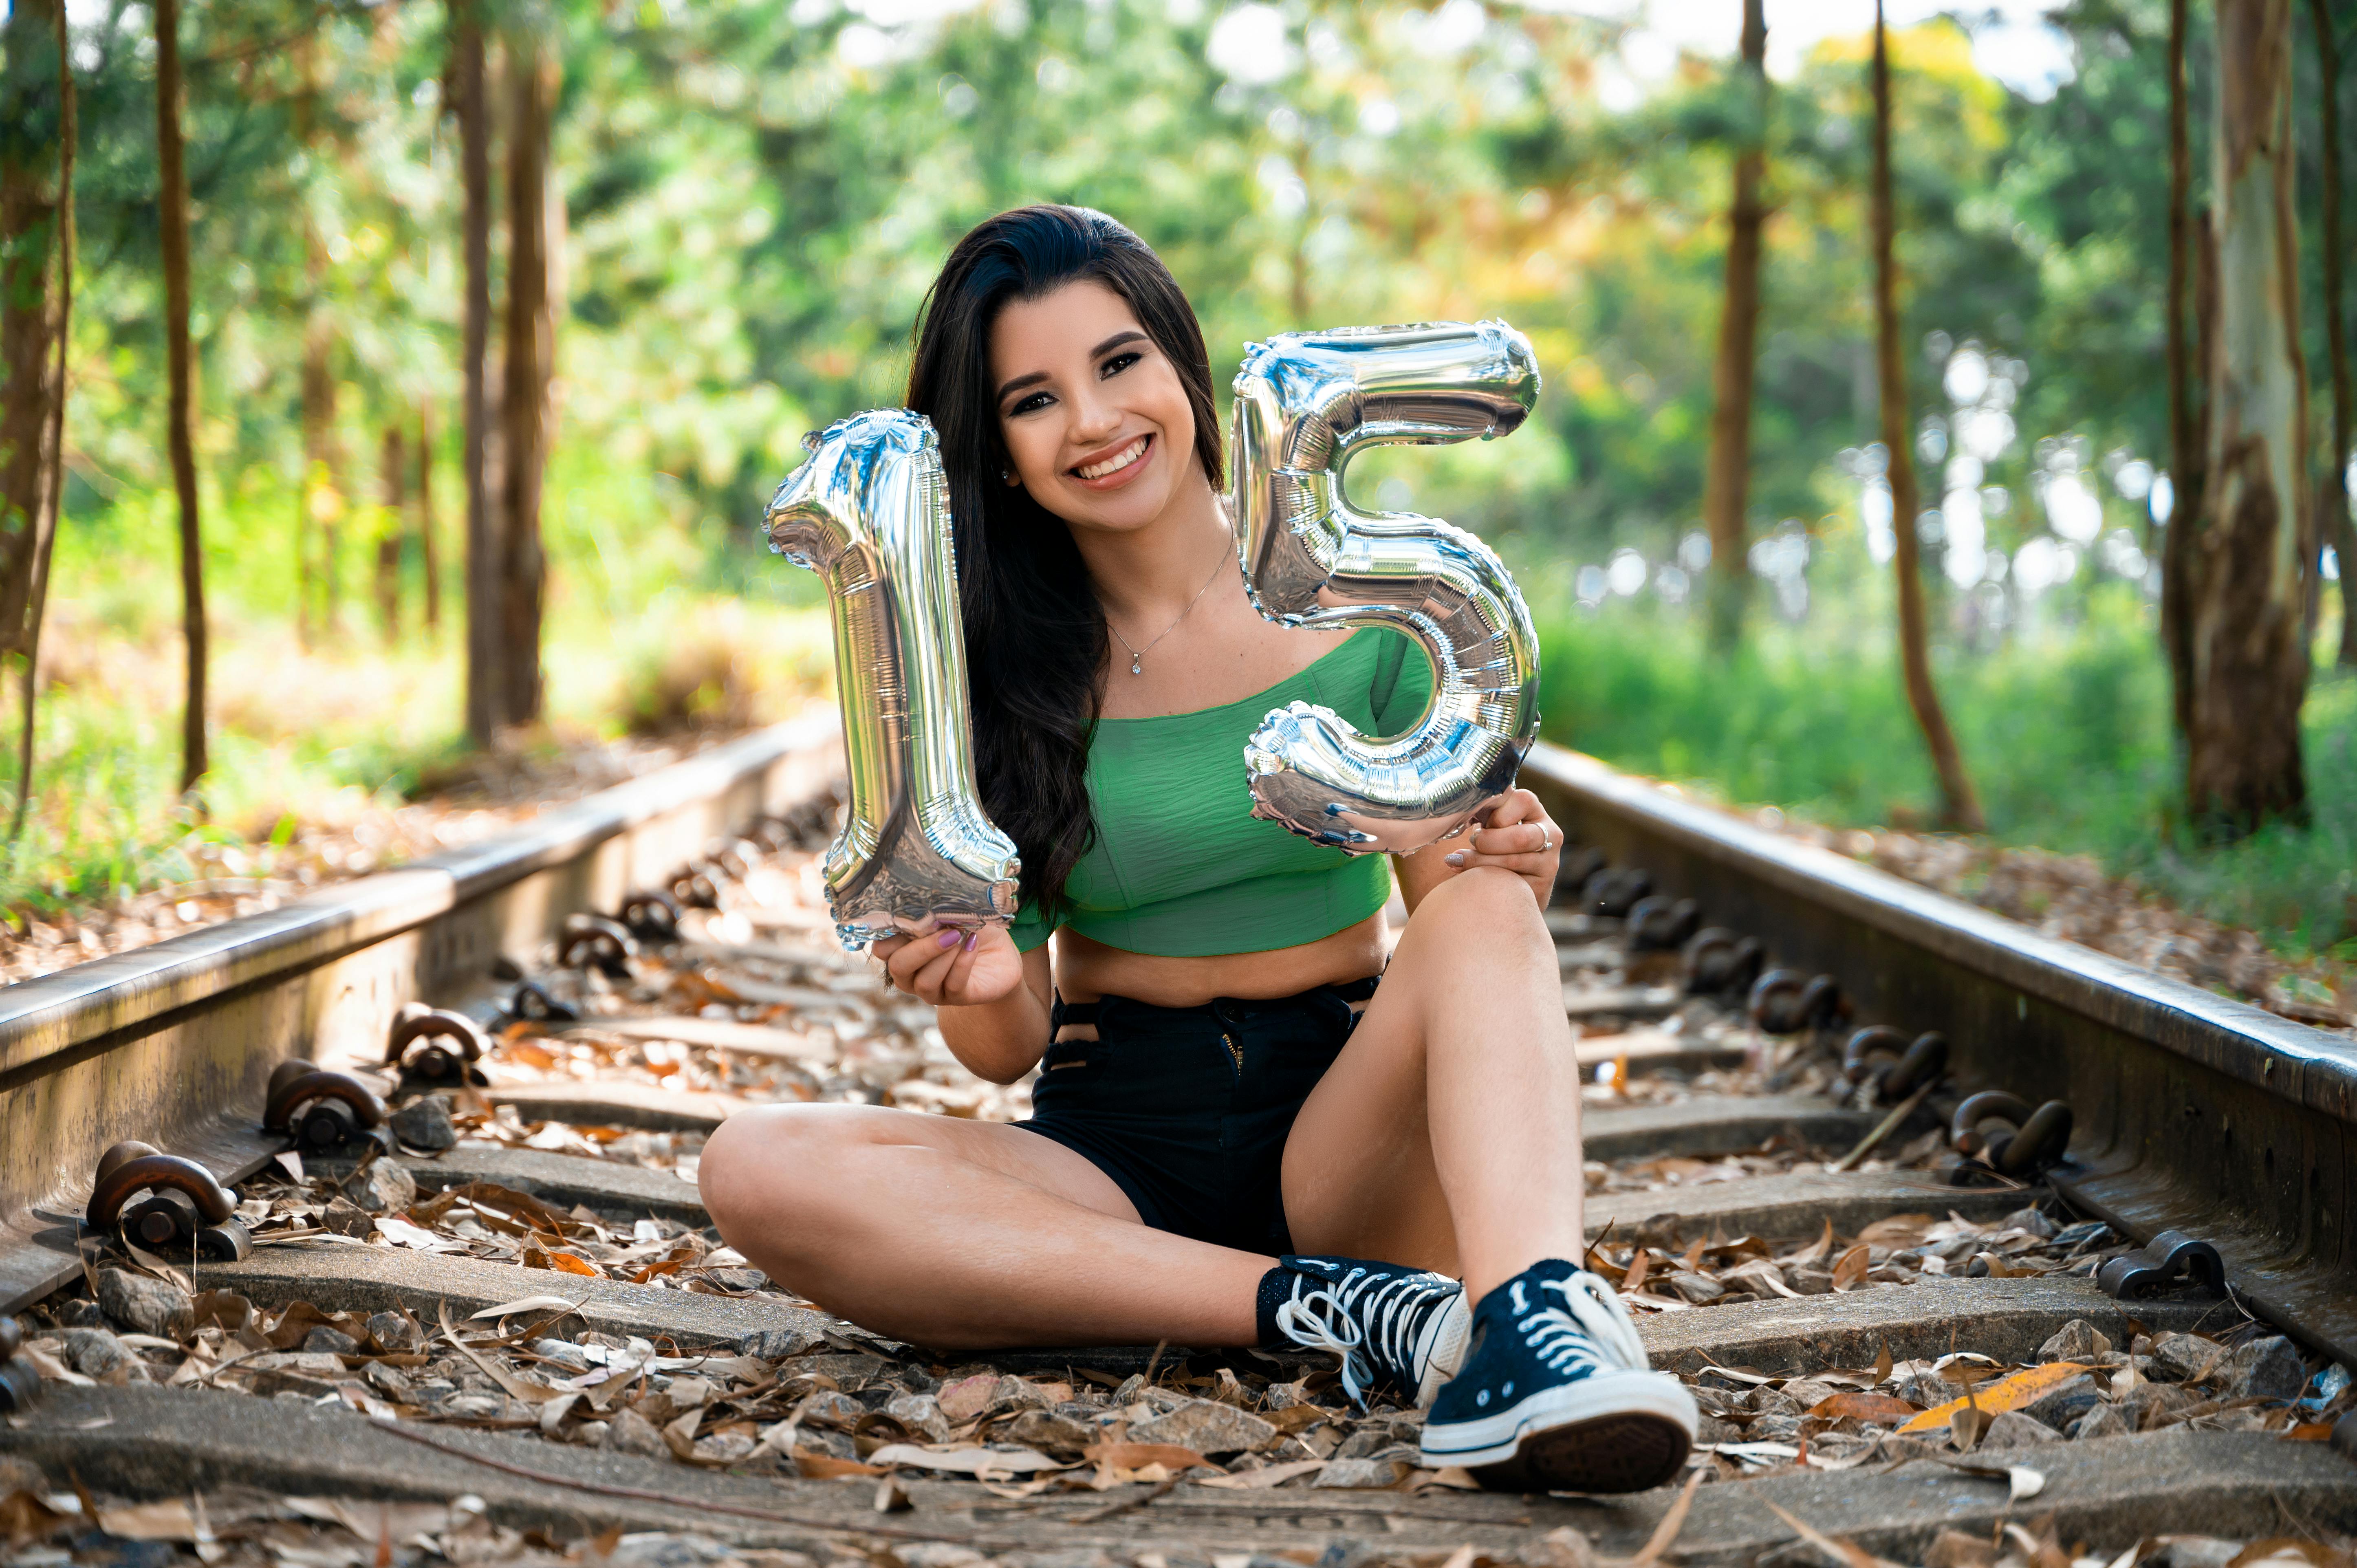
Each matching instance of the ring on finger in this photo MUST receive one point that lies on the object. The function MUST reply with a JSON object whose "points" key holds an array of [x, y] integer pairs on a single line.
{"points": [[1546, 839]]}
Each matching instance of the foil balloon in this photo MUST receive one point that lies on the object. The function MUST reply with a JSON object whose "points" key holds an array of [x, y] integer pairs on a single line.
{"points": [[869, 513], [1305, 404]]}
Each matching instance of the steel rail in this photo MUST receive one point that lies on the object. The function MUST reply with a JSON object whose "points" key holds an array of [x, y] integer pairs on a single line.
{"points": [[173, 1043], [2195, 1113]]}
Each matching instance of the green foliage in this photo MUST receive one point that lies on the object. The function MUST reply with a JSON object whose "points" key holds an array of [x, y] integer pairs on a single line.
{"points": [[756, 195], [2067, 728]]}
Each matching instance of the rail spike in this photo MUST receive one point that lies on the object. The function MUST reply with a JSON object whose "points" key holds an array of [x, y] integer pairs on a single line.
{"points": [[186, 1209], [320, 1110], [2168, 1258]]}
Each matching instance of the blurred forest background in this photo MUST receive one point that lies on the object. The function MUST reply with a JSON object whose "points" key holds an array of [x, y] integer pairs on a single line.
{"points": [[743, 200]]}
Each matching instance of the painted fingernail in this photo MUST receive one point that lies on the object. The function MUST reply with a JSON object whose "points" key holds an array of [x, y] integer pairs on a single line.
{"points": [[1457, 859], [949, 939], [971, 937]]}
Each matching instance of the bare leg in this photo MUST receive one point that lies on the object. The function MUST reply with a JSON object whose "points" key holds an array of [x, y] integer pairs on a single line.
{"points": [[1447, 1134], [962, 1234]]}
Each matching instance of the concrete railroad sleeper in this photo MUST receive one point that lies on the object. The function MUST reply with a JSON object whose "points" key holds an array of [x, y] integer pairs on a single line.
{"points": [[2193, 1114]]}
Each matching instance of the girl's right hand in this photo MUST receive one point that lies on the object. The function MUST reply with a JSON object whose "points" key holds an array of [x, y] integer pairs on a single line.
{"points": [[953, 967]]}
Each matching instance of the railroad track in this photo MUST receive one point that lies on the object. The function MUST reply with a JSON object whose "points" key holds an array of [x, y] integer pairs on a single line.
{"points": [[507, 1294]]}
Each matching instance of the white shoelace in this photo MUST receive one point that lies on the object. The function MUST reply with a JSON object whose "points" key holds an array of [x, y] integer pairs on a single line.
{"points": [[1326, 1319], [1592, 1326]]}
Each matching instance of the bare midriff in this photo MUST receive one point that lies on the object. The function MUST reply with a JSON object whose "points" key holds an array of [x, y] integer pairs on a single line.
{"points": [[1088, 971]]}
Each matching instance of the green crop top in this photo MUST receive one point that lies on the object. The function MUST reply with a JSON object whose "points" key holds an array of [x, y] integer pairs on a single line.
{"points": [[1180, 868]]}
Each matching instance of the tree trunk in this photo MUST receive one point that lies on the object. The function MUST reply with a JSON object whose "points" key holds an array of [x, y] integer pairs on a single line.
{"points": [[37, 259], [2247, 570], [1726, 479], [2188, 439], [485, 689], [2333, 494], [391, 465], [323, 490], [34, 158], [1959, 806], [523, 395], [426, 525], [172, 202]]}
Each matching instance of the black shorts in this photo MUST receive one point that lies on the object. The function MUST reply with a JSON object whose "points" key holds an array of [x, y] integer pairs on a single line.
{"points": [[1187, 1108]]}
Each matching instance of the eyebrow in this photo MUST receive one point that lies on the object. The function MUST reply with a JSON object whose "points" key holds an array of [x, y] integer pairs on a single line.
{"points": [[1127, 335]]}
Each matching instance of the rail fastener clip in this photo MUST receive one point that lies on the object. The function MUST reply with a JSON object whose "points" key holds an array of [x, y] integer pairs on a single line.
{"points": [[186, 1211], [321, 1109], [2171, 1258], [434, 1045]]}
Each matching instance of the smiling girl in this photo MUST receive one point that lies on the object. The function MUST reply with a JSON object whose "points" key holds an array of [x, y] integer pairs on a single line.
{"points": [[1251, 1090]]}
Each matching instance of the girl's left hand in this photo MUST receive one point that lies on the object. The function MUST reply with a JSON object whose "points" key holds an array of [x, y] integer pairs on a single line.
{"points": [[1520, 837]]}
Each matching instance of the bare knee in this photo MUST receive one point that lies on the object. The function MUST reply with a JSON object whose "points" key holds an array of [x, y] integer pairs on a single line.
{"points": [[777, 1159], [1488, 907]]}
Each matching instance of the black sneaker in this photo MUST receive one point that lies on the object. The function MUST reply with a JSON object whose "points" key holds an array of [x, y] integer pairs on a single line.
{"points": [[1557, 1395], [1391, 1325]]}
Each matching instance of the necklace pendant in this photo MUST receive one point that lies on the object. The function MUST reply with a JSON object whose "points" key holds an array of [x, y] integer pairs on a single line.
{"points": [[1135, 668]]}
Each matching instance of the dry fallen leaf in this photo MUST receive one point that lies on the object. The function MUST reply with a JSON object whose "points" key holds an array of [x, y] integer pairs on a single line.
{"points": [[2008, 1393], [532, 1394], [1879, 1409], [1967, 1424], [1137, 1455], [971, 1460], [2022, 1483], [1849, 1269], [563, 1262], [1897, 1229], [525, 1304], [169, 1518], [1266, 1475], [1822, 1247]]}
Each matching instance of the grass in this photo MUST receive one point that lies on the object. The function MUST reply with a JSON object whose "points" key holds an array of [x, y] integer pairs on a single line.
{"points": [[2065, 728]]}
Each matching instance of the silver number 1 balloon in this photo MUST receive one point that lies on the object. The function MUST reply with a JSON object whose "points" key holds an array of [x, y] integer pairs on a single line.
{"points": [[868, 513], [1305, 404]]}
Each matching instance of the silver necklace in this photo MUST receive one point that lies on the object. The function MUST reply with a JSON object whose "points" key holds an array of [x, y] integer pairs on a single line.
{"points": [[1136, 654]]}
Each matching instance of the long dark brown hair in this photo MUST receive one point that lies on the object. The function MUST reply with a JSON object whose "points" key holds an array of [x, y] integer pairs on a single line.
{"points": [[1035, 634]]}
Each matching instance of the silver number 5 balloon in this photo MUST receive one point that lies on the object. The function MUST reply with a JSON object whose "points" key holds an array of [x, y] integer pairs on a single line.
{"points": [[1305, 404], [869, 514]]}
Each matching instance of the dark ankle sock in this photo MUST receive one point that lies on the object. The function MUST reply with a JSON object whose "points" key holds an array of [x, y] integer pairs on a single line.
{"points": [[1276, 1289]]}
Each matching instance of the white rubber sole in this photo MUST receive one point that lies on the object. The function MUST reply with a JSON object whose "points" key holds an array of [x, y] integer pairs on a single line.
{"points": [[1451, 1336], [1614, 1431]]}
